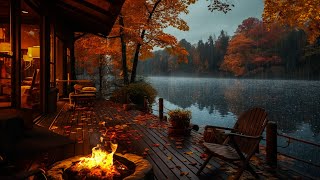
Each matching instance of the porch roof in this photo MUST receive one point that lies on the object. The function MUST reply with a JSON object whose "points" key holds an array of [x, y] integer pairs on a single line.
{"points": [[93, 16]]}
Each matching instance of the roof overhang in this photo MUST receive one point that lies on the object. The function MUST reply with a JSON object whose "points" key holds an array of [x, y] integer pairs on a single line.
{"points": [[92, 16]]}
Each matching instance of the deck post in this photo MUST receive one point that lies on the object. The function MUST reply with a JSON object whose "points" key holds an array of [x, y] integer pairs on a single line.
{"points": [[145, 104], [271, 148], [161, 109]]}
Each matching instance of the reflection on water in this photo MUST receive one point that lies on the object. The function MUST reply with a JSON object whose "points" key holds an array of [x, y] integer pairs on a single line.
{"points": [[293, 105]]}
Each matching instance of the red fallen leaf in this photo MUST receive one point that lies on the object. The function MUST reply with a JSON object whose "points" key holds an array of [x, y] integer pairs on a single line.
{"points": [[66, 127], [156, 145], [146, 149], [203, 156], [193, 163], [183, 173]]}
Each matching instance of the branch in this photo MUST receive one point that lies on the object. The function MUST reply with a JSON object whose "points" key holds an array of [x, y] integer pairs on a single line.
{"points": [[147, 8]]}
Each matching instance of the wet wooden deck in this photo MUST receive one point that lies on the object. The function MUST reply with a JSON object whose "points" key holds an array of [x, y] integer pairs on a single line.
{"points": [[143, 134]]}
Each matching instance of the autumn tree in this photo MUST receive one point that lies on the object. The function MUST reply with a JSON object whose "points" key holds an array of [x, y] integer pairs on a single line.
{"points": [[238, 55], [302, 14], [253, 46], [98, 57], [160, 15]]}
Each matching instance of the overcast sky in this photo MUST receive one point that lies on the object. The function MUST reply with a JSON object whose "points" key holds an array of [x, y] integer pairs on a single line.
{"points": [[203, 23]]}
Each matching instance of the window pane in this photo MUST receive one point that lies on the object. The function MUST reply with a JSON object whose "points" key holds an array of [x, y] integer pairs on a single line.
{"points": [[5, 56]]}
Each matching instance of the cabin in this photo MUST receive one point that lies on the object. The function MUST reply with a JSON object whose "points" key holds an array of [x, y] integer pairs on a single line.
{"points": [[37, 47]]}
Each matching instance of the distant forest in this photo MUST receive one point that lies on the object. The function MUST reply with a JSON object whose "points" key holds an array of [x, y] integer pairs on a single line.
{"points": [[255, 50]]}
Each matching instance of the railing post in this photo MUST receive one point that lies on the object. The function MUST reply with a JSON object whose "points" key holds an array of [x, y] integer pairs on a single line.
{"points": [[271, 148], [145, 104], [161, 109]]}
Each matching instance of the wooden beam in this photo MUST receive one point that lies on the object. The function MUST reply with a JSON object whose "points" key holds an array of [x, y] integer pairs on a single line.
{"points": [[44, 57], [94, 7], [77, 11], [16, 50]]}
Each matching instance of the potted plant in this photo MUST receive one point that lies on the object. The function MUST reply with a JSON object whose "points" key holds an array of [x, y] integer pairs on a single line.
{"points": [[180, 121]]}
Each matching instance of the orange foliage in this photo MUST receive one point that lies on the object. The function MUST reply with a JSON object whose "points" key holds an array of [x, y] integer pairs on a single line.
{"points": [[302, 14]]}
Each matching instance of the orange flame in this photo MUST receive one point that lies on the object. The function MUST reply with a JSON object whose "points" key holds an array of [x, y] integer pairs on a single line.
{"points": [[101, 159]]}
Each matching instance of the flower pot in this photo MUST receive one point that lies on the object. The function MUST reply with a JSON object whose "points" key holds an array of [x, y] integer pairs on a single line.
{"points": [[179, 123], [179, 132]]}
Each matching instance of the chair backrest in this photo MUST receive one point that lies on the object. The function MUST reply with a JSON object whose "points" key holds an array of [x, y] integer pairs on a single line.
{"points": [[35, 78], [250, 123]]}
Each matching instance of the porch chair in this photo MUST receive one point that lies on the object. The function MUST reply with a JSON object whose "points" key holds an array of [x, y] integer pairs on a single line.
{"points": [[241, 143]]}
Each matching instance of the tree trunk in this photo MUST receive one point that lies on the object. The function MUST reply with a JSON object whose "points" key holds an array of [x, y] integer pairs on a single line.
{"points": [[123, 51], [136, 54]]}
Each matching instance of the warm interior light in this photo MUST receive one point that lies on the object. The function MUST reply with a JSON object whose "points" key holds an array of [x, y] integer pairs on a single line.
{"points": [[24, 12], [27, 58], [5, 47], [29, 53], [35, 52]]}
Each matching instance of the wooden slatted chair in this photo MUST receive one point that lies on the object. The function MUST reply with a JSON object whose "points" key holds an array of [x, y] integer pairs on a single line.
{"points": [[241, 143]]}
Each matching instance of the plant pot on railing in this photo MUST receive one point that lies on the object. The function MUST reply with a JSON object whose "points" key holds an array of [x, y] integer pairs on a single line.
{"points": [[180, 122]]}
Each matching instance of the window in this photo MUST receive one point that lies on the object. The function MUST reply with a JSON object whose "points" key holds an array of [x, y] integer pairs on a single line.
{"points": [[5, 57]]}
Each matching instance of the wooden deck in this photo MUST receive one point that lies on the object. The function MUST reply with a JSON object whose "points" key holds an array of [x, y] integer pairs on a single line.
{"points": [[143, 134]]}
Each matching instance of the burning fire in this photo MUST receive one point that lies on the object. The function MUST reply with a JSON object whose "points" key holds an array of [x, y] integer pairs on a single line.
{"points": [[101, 162]]}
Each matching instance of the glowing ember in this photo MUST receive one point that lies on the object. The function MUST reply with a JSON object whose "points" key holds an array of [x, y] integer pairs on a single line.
{"points": [[100, 163]]}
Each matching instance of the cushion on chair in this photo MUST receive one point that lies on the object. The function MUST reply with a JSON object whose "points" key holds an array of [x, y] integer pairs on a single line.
{"points": [[225, 151], [89, 89]]}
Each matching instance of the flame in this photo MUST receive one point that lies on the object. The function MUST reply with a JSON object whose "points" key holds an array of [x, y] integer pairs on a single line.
{"points": [[100, 162]]}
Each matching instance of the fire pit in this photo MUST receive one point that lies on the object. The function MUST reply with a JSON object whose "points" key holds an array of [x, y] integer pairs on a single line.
{"points": [[102, 165]]}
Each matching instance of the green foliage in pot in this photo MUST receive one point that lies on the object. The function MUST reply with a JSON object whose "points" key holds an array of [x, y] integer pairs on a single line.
{"points": [[136, 93], [180, 118]]}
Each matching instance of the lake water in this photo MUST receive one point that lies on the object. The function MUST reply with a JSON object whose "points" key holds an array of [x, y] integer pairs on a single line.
{"points": [[293, 104]]}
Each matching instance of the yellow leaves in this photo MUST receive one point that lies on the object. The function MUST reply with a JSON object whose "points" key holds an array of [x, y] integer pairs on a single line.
{"points": [[188, 153]]}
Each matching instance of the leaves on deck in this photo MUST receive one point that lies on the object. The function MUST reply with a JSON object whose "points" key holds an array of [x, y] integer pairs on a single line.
{"points": [[182, 173], [155, 145], [188, 153]]}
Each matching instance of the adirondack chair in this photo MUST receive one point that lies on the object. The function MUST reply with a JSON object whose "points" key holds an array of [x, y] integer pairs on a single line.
{"points": [[241, 143]]}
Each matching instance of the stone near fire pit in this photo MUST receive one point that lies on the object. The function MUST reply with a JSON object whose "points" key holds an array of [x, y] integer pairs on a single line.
{"points": [[143, 169]]}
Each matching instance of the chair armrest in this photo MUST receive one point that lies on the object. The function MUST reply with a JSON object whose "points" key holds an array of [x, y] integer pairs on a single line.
{"points": [[244, 136], [218, 127]]}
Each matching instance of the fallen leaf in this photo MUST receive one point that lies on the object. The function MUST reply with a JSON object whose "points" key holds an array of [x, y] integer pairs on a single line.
{"points": [[54, 127], [188, 153], [156, 145], [170, 157], [182, 173], [179, 147], [178, 167], [193, 163], [208, 166], [203, 156]]}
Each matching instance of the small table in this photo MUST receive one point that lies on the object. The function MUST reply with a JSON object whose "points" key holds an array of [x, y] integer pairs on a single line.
{"points": [[81, 99]]}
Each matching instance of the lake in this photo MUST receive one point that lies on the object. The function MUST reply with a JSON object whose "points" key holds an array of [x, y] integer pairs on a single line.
{"points": [[293, 104]]}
